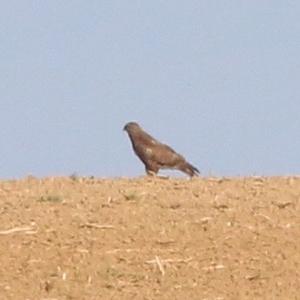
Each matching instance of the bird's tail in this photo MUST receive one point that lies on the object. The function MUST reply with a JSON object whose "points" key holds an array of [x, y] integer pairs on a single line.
{"points": [[189, 169]]}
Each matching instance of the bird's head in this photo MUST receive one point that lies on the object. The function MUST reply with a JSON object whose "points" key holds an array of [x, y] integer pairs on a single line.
{"points": [[131, 127]]}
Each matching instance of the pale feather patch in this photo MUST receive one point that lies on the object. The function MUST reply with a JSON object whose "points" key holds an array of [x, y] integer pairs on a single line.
{"points": [[149, 151]]}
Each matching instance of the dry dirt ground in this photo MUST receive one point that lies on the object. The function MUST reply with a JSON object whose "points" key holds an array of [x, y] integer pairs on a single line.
{"points": [[206, 238]]}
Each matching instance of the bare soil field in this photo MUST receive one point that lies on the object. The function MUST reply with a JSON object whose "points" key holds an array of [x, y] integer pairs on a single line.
{"points": [[147, 238]]}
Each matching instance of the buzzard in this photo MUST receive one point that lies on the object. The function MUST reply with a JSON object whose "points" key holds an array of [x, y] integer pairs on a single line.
{"points": [[156, 155]]}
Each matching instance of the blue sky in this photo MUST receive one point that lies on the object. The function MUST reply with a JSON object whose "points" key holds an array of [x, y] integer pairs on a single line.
{"points": [[216, 80]]}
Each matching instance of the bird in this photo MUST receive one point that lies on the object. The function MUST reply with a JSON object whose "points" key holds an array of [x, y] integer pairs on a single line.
{"points": [[156, 155]]}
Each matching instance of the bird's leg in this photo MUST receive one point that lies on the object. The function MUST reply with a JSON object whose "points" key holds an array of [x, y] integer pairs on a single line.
{"points": [[151, 169], [151, 173]]}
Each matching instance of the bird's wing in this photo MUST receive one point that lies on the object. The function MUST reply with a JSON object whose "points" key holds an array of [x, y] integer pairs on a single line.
{"points": [[150, 150], [165, 156]]}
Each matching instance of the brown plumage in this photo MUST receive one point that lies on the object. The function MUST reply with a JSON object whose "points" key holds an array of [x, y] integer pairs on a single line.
{"points": [[156, 155]]}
